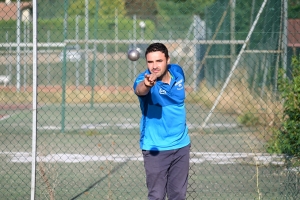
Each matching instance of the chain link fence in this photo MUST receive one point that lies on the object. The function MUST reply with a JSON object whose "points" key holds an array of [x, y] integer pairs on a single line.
{"points": [[81, 138]]}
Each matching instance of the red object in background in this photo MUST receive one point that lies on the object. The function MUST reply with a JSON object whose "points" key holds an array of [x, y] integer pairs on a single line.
{"points": [[294, 33]]}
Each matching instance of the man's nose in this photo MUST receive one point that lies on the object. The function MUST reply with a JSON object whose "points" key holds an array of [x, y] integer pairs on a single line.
{"points": [[155, 65]]}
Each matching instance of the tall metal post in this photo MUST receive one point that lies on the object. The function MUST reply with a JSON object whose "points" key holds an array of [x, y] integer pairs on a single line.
{"points": [[86, 42], [48, 62], [232, 31], [64, 71], [196, 37], [284, 35], [34, 100], [94, 54], [18, 45], [116, 48], [134, 44], [77, 38]]}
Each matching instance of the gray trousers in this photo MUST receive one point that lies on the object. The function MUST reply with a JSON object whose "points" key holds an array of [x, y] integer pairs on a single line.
{"points": [[167, 173]]}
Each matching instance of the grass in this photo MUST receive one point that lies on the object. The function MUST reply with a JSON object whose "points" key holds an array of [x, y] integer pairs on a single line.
{"points": [[237, 99]]}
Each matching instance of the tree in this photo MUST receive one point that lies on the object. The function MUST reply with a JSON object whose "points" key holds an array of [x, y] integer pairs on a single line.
{"points": [[183, 7], [107, 8], [143, 9], [16, 0], [286, 138], [293, 9]]}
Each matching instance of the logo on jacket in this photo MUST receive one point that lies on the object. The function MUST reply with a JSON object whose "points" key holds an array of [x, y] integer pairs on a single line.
{"points": [[179, 84], [162, 91]]}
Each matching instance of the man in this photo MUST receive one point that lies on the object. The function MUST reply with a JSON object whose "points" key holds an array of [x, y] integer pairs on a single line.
{"points": [[164, 139]]}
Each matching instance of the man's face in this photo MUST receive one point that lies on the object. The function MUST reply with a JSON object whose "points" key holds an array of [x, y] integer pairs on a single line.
{"points": [[157, 63]]}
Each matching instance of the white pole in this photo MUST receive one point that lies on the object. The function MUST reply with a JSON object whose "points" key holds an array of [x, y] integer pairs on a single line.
{"points": [[7, 72], [116, 47], [280, 47], [134, 30], [284, 35], [25, 54], [105, 64], [235, 63], [196, 26], [34, 98], [232, 31], [134, 45], [76, 38], [130, 71], [18, 46], [86, 40], [48, 63], [9, 58]]}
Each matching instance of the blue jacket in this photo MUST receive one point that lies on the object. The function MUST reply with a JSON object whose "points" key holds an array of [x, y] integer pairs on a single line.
{"points": [[163, 122]]}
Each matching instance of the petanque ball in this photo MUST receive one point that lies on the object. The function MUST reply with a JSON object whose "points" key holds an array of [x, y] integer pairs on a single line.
{"points": [[133, 55]]}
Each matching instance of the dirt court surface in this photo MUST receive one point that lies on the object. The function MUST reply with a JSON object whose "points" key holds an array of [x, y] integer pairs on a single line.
{"points": [[15, 106]]}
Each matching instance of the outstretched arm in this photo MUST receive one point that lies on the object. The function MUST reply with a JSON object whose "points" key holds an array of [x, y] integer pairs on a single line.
{"points": [[144, 87]]}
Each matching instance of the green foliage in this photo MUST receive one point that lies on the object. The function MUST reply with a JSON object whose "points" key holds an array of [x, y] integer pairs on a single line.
{"points": [[286, 139], [175, 7], [294, 9], [183, 7], [176, 16], [142, 9], [105, 29], [106, 8], [248, 119], [16, 0]]}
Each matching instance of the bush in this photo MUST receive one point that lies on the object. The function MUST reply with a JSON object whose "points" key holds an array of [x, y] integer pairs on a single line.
{"points": [[286, 138], [248, 119]]}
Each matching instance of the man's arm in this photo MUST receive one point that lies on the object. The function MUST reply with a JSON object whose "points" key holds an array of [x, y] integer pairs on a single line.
{"points": [[144, 87]]}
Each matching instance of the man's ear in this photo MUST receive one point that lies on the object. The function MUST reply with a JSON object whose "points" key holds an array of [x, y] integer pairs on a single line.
{"points": [[168, 60]]}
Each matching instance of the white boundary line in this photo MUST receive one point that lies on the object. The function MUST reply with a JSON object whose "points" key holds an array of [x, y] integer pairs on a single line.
{"points": [[219, 158], [101, 126], [4, 117]]}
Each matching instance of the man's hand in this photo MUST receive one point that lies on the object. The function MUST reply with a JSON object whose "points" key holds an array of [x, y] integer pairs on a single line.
{"points": [[144, 87], [150, 80]]}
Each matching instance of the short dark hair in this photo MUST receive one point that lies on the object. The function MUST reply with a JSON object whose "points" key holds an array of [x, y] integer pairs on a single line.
{"points": [[157, 47]]}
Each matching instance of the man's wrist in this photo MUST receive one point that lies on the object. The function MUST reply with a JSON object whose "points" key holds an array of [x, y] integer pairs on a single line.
{"points": [[147, 86]]}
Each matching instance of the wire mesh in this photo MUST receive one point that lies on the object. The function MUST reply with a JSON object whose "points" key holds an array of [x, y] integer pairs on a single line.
{"points": [[88, 116]]}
